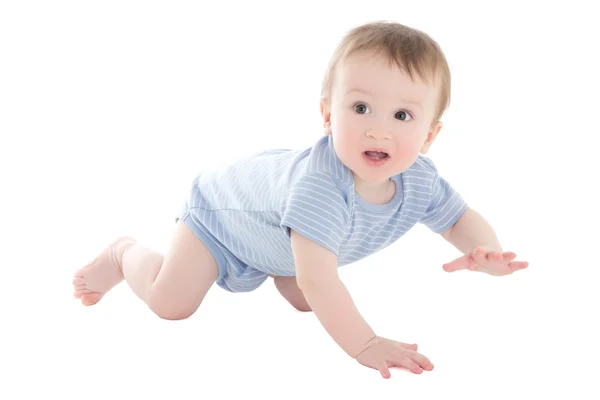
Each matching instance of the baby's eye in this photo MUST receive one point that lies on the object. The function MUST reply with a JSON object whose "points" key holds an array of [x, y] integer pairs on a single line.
{"points": [[402, 115], [361, 108]]}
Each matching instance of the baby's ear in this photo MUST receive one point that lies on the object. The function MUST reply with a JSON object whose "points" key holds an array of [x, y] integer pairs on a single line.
{"points": [[431, 136], [324, 107], [326, 114]]}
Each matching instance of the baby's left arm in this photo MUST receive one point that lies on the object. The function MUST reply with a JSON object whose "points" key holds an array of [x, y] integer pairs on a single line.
{"points": [[476, 239], [472, 231]]}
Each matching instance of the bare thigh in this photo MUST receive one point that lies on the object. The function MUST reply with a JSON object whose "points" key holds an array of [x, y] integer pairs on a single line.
{"points": [[187, 273]]}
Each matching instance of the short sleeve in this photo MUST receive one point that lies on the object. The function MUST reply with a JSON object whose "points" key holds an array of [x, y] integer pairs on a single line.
{"points": [[316, 207], [446, 205]]}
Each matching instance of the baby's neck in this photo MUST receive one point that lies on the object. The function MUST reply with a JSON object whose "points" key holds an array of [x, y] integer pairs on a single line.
{"points": [[380, 193]]}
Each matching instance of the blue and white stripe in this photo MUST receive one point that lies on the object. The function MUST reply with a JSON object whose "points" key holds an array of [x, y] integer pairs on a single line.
{"points": [[250, 206]]}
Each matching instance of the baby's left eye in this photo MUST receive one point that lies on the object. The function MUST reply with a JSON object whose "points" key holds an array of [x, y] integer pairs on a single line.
{"points": [[402, 115]]}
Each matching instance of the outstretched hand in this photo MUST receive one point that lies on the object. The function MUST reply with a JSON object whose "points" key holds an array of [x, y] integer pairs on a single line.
{"points": [[491, 262]]}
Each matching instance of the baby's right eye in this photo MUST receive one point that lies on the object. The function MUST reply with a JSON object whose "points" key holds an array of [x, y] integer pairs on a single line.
{"points": [[361, 108]]}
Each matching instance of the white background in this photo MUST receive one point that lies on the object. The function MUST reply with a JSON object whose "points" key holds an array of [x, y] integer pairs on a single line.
{"points": [[108, 109]]}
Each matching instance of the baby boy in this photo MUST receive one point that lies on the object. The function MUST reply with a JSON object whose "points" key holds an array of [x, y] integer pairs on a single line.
{"points": [[298, 215]]}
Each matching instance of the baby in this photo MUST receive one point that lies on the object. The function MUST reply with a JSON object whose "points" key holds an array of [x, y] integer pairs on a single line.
{"points": [[298, 215]]}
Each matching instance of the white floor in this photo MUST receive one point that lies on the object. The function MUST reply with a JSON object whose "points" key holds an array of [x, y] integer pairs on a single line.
{"points": [[525, 336], [110, 112]]}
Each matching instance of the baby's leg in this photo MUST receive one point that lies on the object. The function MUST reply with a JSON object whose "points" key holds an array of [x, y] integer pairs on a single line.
{"points": [[289, 289], [173, 286]]}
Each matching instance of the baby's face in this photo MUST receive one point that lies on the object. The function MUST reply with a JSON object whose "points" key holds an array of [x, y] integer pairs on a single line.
{"points": [[376, 105]]}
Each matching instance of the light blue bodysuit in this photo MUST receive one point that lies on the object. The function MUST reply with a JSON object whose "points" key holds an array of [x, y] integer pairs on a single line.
{"points": [[244, 212]]}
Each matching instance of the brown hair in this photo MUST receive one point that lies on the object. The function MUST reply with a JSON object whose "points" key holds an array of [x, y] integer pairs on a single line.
{"points": [[411, 49]]}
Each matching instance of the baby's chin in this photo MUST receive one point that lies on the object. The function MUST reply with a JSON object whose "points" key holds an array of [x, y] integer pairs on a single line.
{"points": [[371, 178], [391, 168]]}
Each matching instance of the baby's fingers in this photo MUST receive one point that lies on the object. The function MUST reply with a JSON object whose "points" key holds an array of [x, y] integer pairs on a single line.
{"points": [[405, 362], [382, 366], [516, 265], [420, 360], [408, 346]]}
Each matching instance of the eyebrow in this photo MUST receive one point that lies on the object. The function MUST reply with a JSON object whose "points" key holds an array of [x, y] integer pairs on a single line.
{"points": [[416, 103]]}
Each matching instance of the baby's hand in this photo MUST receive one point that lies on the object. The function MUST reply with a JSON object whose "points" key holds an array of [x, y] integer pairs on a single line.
{"points": [[382, 353], [485, 260]]}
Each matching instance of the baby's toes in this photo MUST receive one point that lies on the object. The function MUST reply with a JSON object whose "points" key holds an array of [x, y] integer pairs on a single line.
{"points": [[78, 280], [81, 291], [90, 299]]}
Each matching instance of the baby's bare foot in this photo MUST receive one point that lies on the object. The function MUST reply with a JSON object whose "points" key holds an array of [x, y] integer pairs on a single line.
{"points": [[102, 274]]}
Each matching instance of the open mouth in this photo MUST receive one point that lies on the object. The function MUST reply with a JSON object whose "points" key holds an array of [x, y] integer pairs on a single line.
{"points": [[376, 155]]}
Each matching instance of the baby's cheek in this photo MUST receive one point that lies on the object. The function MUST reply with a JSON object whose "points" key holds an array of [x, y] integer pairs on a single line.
{"points": [[407, 150]]}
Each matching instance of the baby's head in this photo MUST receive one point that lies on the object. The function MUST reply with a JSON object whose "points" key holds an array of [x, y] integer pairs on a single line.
{"points": [[386, 87]]}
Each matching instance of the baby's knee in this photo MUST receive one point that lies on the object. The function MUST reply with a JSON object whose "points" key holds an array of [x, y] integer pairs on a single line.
{"points": [[171, 314], [289, 289], [302, 306], [169, 310]]}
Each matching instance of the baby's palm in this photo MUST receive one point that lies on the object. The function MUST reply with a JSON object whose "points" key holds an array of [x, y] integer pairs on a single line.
{"points": [[485, 260]]}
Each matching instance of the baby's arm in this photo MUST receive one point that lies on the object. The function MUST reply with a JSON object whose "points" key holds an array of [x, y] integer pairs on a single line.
{"points": [[317, 277], [476, 239], [472, 231]]}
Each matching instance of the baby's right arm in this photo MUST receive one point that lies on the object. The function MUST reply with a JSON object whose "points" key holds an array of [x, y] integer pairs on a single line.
{"points": [[317, 277]]}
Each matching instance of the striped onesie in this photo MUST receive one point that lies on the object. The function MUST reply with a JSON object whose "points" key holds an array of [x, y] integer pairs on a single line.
{"points": [[244, 212]]}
